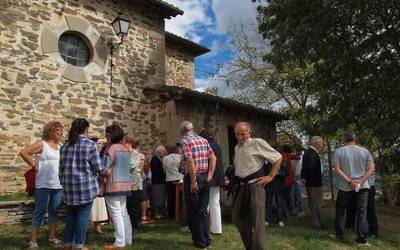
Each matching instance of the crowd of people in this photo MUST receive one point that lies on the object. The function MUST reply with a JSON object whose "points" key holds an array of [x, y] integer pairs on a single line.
{"points": [[109, 179]]}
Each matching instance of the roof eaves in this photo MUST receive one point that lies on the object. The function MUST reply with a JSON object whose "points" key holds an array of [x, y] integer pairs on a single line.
{"points": [[224, 101], [196, 48], [171, 9]]}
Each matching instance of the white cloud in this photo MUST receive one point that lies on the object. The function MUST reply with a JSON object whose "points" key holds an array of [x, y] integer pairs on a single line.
{"points": [[192, 23], [227, 13]]}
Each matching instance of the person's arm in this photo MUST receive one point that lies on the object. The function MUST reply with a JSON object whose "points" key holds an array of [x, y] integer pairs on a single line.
{"points": [[96, 162], [274, 171], [271, 155], [212, 163], [370, 171], [141, 164], [192, 173], [108, 162], [345, 178], [27, 153]]}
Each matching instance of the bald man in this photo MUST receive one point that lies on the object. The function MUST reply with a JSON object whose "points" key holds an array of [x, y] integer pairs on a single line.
{"points": [[249, 204], [200, 163]]}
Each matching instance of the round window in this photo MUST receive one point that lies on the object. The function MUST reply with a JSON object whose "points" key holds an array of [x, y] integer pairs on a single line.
{"points": [[73, 49]]}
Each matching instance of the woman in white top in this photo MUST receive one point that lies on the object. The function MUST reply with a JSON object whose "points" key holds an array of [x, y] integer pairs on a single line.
{"points": [[171, 164], [98, 212], [44, 157]]}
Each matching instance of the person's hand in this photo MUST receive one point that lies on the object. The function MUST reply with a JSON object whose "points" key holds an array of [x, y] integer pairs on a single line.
{"points": [[354, 184], [35, 166], [209, 178], [303, 182], [262, 181], [193, 187]]}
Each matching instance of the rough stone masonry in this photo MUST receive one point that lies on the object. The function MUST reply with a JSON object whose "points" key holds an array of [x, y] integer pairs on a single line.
{"points": [[37, 85]]}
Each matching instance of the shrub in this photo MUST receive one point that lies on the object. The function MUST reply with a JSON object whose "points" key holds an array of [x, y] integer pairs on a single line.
{"points": [[391, 186]]}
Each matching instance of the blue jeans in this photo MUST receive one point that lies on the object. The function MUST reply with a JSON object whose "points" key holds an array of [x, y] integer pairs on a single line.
{"points": [[279, 206], [76, 225], [297, 194], [46, 200]]}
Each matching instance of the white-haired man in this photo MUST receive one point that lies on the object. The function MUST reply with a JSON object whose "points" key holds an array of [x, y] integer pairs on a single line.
{"points": [[311, 174], [200, 163], [158, 182], [249, 204]]}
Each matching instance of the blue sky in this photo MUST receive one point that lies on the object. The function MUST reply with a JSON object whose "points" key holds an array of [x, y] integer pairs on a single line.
{"points": [[207, 22]]}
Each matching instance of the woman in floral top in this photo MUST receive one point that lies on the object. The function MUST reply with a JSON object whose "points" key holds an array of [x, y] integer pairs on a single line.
{"points": [[134, 201]]}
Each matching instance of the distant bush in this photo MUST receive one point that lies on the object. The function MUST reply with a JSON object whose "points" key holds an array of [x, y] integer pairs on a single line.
{"points": [[391, 186]]}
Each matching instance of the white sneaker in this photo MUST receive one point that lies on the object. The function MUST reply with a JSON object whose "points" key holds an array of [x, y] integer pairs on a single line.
{"points": [[185, 229], [281, 224], [366, 244], [266, 223]]}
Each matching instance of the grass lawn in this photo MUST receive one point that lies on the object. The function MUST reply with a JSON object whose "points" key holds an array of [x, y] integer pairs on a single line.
{"points": [[166, 235]]}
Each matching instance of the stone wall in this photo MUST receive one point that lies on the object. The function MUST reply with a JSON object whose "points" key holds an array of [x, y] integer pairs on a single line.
{"points": [[33, 89], [179, 68], [13, 212]]}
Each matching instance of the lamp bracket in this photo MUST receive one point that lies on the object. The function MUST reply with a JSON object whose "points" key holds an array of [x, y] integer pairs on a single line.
{"points": [[115, 46]]}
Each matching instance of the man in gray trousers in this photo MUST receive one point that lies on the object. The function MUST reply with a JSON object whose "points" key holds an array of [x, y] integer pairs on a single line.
{"points": [[311, 175], [249, 204]]}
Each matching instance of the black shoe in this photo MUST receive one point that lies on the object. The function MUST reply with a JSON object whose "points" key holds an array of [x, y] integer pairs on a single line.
{"points": [[320, 227], [198, 246], [335, 237]]}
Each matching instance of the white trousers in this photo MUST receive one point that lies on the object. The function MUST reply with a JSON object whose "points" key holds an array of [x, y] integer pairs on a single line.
{"points": [[215, 211], [122, 224]]}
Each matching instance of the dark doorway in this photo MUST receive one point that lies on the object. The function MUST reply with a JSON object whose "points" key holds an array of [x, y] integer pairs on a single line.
{"points": [[231, 142]]}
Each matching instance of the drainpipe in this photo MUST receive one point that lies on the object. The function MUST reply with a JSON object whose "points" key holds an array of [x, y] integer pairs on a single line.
{"points": [[208, 116]]}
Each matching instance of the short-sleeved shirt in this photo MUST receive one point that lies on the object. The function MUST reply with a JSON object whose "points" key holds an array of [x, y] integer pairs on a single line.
{"points": [[250, 157], [171, 167], [199, 149], [79, 165], [353, 161]]}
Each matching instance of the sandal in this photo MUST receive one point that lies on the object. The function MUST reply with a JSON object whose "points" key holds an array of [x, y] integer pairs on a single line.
{"points": [[33, 245], [55, 241]]}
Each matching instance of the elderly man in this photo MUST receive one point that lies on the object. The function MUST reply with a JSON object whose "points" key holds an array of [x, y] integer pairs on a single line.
{"points": [[354, 165], [249, 205], [199, 169], [311, 174]]}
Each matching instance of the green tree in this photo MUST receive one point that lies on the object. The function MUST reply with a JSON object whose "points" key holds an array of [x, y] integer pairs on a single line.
{"points": [[353, 48], [211, 90], [284, 89]]}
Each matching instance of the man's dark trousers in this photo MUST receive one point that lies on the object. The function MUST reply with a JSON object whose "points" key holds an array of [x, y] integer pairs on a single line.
{"points": [[371, 214], [343, 199], [196, 209]]}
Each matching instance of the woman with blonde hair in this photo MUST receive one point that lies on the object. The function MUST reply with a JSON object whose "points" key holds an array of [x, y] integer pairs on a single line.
{"points": [[44, 156]]}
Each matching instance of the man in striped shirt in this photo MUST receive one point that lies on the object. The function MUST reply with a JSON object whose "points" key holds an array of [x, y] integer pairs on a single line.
{"points": [[199, 168]]}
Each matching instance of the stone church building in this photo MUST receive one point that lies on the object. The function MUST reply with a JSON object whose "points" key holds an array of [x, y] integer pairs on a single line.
{"points": [[55, 65]]}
